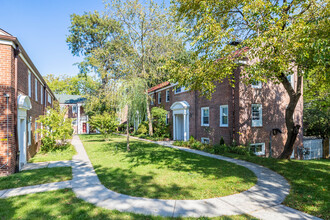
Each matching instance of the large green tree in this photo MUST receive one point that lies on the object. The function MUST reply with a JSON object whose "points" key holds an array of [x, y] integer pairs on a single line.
{"points": [[280, 37]]}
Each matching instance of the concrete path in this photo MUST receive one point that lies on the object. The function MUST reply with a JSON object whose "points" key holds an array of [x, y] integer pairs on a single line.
{"points": [[51, 164], [262, 200]]}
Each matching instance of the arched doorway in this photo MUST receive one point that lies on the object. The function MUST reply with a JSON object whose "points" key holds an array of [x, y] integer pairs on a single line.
{"points": [[23, 104]]}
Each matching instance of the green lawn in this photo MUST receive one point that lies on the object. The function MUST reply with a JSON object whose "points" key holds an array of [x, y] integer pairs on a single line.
{"points": [[309, 180], [63, 204], [64, 153], [35, 177], [153, 171]]}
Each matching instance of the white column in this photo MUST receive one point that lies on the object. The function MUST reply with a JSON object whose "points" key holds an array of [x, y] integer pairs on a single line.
{"points": [[87, 125], [78, 119], [185, 125], [174, 125]]}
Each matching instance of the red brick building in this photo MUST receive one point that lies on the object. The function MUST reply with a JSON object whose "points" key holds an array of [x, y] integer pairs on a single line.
{"points": [[24, 95], [245, 114]]}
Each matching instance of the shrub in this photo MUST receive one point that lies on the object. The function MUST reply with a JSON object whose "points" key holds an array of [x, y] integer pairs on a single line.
{"points": [[159, 122], [143, 128], [56, 128], [105, 123], [222, 141]]}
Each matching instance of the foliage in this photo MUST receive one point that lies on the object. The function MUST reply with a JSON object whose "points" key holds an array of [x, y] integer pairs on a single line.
{"points": [[278, 39], [161, 129], [222, 141], [105, 123], [143, 128], [175, 174], [56, 128], [36, 177], [72, 85], [240, 149], [317, 118]]}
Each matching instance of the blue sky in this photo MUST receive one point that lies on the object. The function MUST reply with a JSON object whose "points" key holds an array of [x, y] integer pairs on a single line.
{"points": [[42, 26]]}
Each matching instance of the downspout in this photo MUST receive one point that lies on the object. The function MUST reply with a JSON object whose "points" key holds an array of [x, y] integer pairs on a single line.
{"points": [[195, 115], [16, 53], [7, 99]]}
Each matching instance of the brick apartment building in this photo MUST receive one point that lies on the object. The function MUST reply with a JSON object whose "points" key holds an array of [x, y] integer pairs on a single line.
{"points": [[247, 113], [24, 96], [75, 110]]}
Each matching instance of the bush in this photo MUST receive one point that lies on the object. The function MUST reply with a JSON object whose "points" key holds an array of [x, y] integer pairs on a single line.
{"points": [[56, 128], [159, 122], [222, 141], [143, 128], [105, 123]]}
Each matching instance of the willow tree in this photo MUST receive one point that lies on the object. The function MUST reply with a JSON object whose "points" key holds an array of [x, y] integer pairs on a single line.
{"points": [[132, 97], [279, 37], [152, 38]]}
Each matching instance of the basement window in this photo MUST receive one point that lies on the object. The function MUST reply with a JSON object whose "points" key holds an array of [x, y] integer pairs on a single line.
{"points": [[258, 148], [205, 140]]}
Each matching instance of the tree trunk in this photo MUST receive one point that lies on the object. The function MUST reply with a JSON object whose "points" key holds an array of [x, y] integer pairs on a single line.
{"points": [[292, 128], [149, 116], [127, 131]]}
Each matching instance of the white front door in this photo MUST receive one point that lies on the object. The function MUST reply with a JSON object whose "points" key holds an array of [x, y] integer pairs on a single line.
{"points": [[179, 127], [22, 142]]}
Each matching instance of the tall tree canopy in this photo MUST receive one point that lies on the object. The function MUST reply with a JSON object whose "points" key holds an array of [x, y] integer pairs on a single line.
{"points": [[280, 38]]}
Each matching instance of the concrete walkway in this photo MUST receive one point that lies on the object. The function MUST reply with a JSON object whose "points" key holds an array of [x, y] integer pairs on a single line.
{"points": [[262, 200], [51, 164]]}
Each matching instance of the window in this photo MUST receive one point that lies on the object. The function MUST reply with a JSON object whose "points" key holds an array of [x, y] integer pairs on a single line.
{"points": [[41, 94], [256, 84], [159, 97], [49, 98], [180, 89], [258, 149], [256, 115], [205, 140], [29, 81], [205, 116], [152, 99], [36, 89], [167, 95], [290, 79], [74, 109], [29, 132], [223, 115], [35, 131], [167, 118]]}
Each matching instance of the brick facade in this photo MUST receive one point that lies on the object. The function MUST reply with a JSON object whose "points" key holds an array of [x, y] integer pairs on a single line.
{"points": [[14, 78], [239, 100]]}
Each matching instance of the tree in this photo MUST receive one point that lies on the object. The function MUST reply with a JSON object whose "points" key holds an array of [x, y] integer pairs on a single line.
{"points": [[55, 127], [132, 96], [277, 37], [72, 85], [105, 123]]}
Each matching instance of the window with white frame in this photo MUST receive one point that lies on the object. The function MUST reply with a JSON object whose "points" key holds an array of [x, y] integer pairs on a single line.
{"points": [[152, 99], [29, 133], [179, 89], [205, 116], [49, 98], [290, 79], [29, 84], [36, 89], [258, 148], [167, 95], [256, 115], [35, 131], [159, 97], [74, 109], [223, 115], [205, 140], [41, 94], [256, 84]]}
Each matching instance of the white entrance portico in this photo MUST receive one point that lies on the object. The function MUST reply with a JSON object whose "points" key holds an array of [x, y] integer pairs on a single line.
{"points": [[23, 104], [180, 120]]}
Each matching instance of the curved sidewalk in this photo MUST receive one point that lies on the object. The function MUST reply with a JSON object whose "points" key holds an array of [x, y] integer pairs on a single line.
{"points": [[262, 200]]}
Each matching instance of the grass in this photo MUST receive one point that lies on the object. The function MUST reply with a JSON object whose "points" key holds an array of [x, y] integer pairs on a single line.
{"points": [[35, 177], [63, 204], [150, 170], [309, 180], [64, 153]]}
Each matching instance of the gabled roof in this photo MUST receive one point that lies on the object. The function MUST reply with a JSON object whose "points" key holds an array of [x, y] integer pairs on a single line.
{"points": [[3, 32], [69, 99], [159, 86]]}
